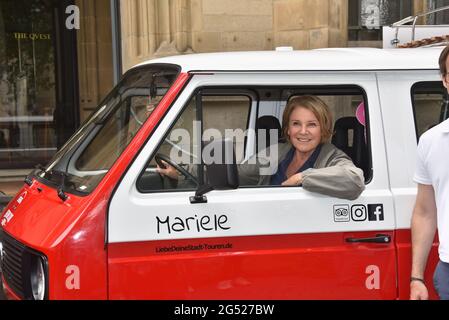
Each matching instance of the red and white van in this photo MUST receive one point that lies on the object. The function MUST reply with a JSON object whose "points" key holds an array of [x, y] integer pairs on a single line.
{"points": [[98, 222]]}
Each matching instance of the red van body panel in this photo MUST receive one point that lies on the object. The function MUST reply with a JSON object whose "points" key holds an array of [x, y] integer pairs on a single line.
{"points": [[256, 267], [404, 257], [71, 234]]}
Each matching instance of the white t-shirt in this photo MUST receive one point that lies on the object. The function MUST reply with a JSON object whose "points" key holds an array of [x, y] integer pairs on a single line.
{"points": [[432, 168]]}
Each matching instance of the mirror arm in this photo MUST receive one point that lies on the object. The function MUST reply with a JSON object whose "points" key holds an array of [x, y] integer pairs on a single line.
{"points": [[200, 194]]}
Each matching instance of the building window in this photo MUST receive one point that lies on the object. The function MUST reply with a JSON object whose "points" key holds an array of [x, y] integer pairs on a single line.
{"points": [[441, 17], [366, 17], [251, 118], [27, 87]]}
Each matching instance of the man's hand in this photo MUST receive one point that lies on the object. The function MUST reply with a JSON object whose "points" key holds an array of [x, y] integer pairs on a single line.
{"points": [[169, 171], [418, 291], [294, 180], [423, 226]]}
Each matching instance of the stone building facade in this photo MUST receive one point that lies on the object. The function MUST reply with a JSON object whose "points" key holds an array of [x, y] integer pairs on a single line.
{"points": [[157, 28], [153, 28], [95, 66]]}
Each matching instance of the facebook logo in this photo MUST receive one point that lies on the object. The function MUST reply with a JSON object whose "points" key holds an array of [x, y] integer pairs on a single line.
{"points": [[375, 212]]}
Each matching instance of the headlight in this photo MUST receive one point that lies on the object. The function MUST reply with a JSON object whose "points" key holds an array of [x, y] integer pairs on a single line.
{"points": [[38, 281]]}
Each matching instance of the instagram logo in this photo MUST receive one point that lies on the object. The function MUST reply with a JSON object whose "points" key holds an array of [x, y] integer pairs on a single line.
{"points": [[358, 212]]}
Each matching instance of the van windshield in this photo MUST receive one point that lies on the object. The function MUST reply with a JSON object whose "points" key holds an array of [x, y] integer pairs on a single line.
{"points": [[88, 155]]}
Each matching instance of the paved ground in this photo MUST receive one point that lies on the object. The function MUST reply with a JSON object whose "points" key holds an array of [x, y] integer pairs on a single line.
{"points": [[2, 297]]}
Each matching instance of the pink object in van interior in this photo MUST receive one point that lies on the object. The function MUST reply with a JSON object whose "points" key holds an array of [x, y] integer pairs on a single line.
{"points": [[360, 113]]}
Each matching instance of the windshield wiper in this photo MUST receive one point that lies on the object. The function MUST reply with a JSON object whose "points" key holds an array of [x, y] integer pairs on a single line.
{"points": [[61, 194], [29, 177], [60, 191]]}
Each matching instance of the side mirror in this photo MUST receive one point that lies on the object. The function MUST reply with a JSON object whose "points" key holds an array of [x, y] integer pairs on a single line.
{"points": [[220, 169]]}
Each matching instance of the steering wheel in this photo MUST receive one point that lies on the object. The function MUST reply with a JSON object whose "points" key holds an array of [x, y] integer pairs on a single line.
{"points": [[159, 157]]}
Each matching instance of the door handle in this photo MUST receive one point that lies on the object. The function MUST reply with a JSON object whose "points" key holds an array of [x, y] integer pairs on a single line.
{"points": [[379, 238]]}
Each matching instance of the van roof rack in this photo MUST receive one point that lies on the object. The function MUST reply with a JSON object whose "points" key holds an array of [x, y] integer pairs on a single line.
{"points": [[413, 36]]}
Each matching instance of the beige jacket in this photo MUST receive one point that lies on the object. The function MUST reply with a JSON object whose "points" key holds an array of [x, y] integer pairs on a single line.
{"points": [[334, 174]]}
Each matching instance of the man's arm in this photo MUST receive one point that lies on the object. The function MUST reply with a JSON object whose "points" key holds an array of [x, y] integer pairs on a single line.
{"points": [[424, 225]]}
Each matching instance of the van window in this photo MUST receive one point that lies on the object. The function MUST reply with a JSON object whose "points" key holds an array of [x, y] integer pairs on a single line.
{"points": [[349, 113], [220, 113], [86, 158], [430, 105], [224, 116], [246, 115]]}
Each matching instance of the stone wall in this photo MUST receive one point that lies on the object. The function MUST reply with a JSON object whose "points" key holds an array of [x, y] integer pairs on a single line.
{"points": [[155, 28], [95, 68]]}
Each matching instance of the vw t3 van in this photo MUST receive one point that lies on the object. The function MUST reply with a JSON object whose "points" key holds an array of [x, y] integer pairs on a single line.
{"points": [[100, 222]]}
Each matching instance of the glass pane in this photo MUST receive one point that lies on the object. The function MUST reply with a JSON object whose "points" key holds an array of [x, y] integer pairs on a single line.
{"points": [[366, 17], [429, 105], [441, 17], [179, 148], [117, 133], [226, 117], [182, 143], [27, 85], [90, 153]]}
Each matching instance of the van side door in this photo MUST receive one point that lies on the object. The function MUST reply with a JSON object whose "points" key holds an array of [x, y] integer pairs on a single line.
{"points": [[255, 242]]}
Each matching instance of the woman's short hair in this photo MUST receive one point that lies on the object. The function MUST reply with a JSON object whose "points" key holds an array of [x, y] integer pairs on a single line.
{"points": [[442, 60], [317, 107]]}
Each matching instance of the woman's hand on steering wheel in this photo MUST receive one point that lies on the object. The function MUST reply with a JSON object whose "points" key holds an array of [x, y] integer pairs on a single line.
{"points": [[169, 168], [168, 171]]}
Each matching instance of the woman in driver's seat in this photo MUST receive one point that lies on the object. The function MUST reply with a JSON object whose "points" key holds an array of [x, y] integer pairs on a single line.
{"points": [[307, 158]]}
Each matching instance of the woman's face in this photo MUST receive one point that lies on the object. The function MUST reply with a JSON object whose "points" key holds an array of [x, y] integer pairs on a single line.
{"points": [[304, 130]]}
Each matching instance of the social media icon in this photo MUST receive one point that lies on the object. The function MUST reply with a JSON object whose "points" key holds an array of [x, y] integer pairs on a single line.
{"points": [[358, 212], [341, 213], [376, 212]]}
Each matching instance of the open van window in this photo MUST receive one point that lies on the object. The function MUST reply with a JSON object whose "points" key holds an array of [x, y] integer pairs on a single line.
{"points": [[251, 117], [90, 153]]}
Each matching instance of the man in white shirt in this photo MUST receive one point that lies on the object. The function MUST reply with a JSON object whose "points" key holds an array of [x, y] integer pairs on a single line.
{"points": [[432, 203]]}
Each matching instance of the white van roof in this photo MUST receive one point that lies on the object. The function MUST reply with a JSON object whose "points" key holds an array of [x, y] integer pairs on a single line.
{"points": [[318, 59]]}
